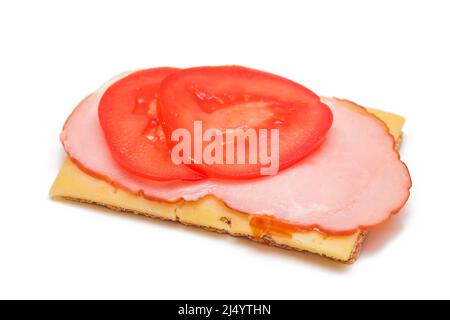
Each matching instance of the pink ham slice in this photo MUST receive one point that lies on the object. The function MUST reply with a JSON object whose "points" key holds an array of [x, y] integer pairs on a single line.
{"points": [[355, 180]]}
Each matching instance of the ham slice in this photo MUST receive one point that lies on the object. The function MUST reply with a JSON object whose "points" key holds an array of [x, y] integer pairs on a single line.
{"points": [[354, 181]]}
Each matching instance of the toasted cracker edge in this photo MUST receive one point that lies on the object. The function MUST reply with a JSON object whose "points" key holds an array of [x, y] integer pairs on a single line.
{"points": [[264, 240]]}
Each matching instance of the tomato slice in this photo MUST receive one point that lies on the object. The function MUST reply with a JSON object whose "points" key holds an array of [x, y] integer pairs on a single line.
{"points": [[231, 97], [128, 117]]}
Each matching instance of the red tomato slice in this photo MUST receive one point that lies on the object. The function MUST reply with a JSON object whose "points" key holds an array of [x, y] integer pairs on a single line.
{"points": [[233, 97], [128, 116]]}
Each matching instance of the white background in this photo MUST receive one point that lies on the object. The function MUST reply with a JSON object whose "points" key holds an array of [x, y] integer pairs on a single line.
{"points": [[392, 55]]}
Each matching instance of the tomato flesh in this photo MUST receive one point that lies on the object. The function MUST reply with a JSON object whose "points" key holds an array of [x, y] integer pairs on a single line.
{"points": [[233, 97], [129, 119]]}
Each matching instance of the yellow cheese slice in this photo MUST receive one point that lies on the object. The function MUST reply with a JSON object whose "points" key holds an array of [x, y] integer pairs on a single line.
{"points": [[209, 213]]}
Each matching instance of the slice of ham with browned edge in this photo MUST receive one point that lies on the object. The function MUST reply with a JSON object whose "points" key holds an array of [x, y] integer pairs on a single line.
{"points": [[354, 181]]}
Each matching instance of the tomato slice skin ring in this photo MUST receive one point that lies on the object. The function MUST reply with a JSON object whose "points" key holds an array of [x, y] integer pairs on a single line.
{"points": [[230, 97], [129, 119]]}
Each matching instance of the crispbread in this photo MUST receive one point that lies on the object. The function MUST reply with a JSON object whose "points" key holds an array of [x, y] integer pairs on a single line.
{"points": [[209, 213]]}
